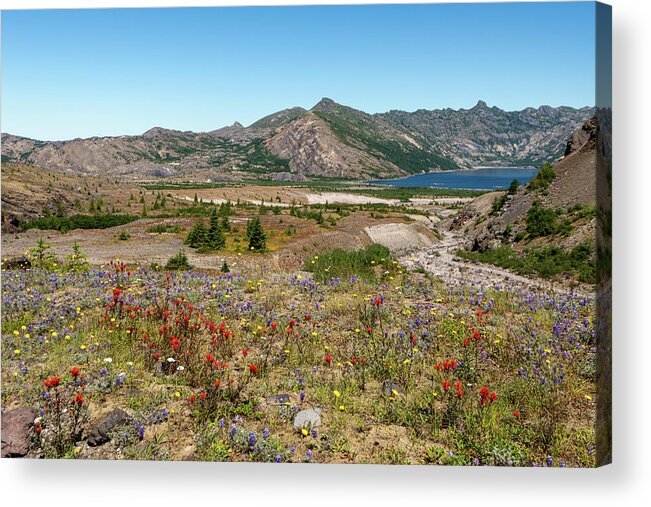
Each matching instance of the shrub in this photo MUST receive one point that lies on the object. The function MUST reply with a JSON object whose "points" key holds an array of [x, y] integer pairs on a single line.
{"points": [[77, 261], [541, 221], [544, 177], [178, 263], [65, 224], [41, 257], [342, 263], [546, 262]]}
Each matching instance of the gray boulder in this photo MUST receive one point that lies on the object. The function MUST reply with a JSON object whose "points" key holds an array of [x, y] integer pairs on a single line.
{"points": [[17, 427], [100, 432], [310, 417]]}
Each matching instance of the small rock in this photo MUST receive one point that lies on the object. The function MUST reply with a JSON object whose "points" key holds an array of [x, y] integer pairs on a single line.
{"points": [[310, 417], [17, 263], [188, 453], [158, 369], [388, 387], [99, 433], [17, 431], [278, 399]]}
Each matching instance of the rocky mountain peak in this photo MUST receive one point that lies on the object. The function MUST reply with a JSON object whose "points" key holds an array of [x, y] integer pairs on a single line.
{"points": [[325, 105], [329, 140]]}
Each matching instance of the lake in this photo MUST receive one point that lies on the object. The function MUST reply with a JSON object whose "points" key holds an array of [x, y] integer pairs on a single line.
{"points": [[495, 178]]}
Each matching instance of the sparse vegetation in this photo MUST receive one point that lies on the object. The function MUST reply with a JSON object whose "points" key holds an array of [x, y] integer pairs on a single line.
{"points": [[65, 224], [547, 262], [544, 177], [164, 228]]}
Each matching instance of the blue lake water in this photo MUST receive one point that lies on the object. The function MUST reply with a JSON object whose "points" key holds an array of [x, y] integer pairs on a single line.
{"points": [[494, 178]]}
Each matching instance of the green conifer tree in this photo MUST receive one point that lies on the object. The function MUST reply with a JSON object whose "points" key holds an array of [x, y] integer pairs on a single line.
{"points": [[256, 235], [215, 239], [197, 236]]}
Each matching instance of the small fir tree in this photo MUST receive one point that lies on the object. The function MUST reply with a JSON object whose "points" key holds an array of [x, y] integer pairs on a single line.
{"points": [[197, 236], [256, 235]]}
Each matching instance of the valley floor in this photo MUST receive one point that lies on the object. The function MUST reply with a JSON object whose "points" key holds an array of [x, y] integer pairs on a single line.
{"points": [[426, 359]]}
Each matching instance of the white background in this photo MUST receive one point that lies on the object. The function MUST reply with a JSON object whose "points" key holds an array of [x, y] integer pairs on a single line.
{"points": [[626, 482]]}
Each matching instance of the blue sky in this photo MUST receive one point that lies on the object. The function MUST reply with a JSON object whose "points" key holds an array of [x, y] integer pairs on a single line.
{"points": [[79, 73]]}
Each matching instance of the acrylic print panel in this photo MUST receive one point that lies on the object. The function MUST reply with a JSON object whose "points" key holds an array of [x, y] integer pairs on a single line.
{"points": [[388, 243]]}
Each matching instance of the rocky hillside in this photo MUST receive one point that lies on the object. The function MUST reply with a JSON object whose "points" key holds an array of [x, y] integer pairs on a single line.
{"points": [[563, 204], [489, 136], [329, 140]]}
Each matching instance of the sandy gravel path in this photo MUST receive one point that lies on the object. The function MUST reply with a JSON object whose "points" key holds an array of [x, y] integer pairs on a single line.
{"points": [[440, 260]]}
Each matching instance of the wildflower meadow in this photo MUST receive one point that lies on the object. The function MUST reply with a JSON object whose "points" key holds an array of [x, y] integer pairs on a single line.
{"points": [[133, 361]]}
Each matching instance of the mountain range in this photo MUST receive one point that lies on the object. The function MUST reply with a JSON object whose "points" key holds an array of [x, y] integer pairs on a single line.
{"points": [[329, 140]]}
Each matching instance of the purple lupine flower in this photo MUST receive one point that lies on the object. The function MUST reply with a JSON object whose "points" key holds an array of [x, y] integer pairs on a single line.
{"points": [[314, 433], [308, 455], [265, 433], [140, 428], [302, 395], [251, 439], [278, 458]]}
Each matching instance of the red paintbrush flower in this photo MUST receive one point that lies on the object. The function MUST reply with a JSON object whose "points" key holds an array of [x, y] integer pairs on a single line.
{"points": [[253, 368], [483, 396], [52, 382], [74, 372]]}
